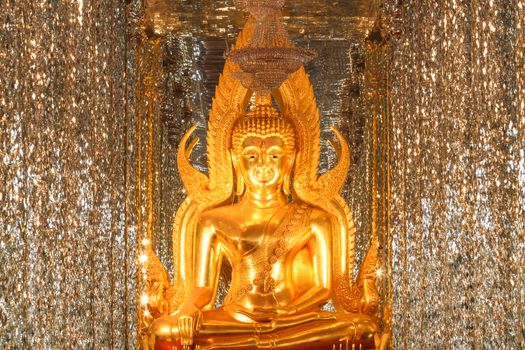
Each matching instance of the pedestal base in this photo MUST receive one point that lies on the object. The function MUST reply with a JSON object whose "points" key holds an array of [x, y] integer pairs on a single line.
{"points": [[160, 345]]}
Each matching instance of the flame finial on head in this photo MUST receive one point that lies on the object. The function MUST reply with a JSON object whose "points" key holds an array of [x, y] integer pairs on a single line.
{"points": [[263, 108]]}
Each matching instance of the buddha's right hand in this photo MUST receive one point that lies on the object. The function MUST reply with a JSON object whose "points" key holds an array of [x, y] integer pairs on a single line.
{"points": [[189, 322]]}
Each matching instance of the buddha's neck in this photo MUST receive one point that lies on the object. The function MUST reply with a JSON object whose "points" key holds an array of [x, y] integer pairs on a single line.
{"points": [[264, 200]]}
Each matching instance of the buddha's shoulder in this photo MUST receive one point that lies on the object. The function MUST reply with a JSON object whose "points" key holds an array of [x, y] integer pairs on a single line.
{"points": [[225, 214], [317, 214]]}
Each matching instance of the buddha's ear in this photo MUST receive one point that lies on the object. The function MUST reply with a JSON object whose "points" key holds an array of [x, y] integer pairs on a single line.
{"points": [[239, 182], [287, 177], [292, 160], [233, 158]]}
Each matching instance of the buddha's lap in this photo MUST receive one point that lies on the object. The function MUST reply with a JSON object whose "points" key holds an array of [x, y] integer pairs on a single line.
{"points": [[220, 318], [326, 329], [339, 325]]}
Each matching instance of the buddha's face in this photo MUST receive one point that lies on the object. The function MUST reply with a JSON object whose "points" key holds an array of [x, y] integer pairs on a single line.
{"points": [[263, 163]]}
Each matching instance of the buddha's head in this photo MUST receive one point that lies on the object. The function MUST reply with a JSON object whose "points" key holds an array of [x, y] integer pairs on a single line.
{"points": [[263, 151]]}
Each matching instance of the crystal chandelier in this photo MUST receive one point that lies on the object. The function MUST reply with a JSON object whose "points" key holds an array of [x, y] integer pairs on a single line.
{"points": [[259, 9], [270, 56]]}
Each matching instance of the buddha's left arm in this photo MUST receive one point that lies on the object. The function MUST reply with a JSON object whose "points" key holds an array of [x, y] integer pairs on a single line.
{"points": [[320, 248]]}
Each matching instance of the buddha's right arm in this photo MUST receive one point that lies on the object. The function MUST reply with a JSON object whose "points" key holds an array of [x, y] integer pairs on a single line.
{"points": [[200, 296], [206, 268], [208, 258]]}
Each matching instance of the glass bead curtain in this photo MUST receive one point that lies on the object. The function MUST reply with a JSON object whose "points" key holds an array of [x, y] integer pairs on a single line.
{"points": [[457, 81], [67, 237], [68, 171]]}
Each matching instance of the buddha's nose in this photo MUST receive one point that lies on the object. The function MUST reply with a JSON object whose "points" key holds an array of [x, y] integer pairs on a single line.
{"points": [[262, 160], [264, 173]]}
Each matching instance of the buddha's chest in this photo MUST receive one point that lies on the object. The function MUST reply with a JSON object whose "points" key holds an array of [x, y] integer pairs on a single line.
{"points": [[268, 233], [264, 252], [252, 237]]}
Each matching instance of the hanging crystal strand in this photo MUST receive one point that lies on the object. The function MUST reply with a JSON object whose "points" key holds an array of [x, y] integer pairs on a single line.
{"points": [[455, 140], [519, 58], [13, 274], [399, 109], [427, 151]]}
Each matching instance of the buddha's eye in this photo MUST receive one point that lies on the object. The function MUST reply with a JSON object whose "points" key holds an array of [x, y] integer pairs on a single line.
{"points": [[274, 152]]}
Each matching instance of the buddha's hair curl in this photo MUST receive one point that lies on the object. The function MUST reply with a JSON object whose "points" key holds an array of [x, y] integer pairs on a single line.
{"points": [[263, 127]]}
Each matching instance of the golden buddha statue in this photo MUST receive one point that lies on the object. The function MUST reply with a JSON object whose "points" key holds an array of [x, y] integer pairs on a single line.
{"points": [[285, 231]]}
